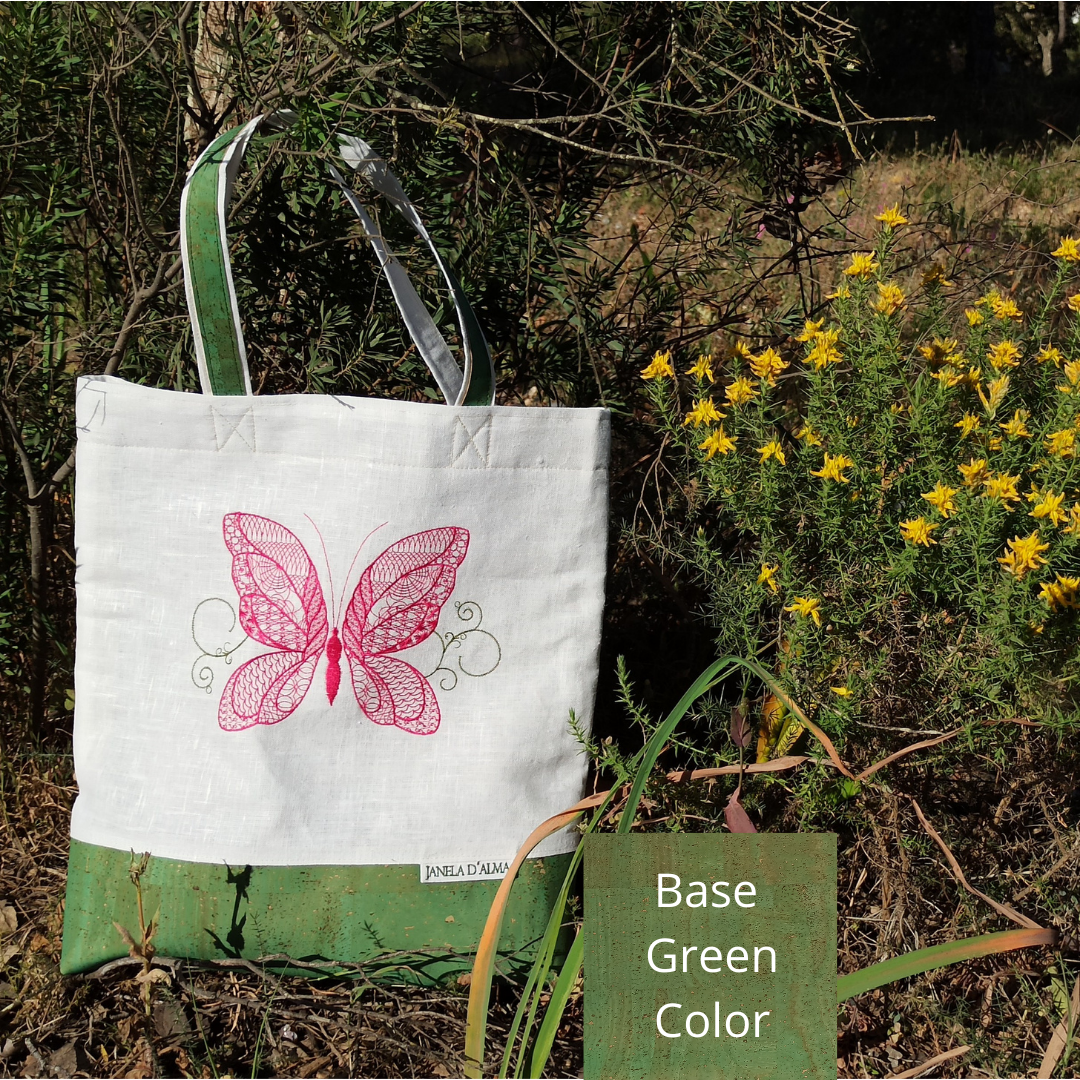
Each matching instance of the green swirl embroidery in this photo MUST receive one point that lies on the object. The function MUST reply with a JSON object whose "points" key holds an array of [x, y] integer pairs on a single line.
{"points": [[470, 644], [203, 677]]}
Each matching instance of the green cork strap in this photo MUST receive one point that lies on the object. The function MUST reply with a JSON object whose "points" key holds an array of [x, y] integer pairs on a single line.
{"points": [[211, 295]]}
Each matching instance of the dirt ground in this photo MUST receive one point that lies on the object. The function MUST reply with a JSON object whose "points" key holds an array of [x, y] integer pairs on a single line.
{"points": [[204, 1020], [1015, 824]]}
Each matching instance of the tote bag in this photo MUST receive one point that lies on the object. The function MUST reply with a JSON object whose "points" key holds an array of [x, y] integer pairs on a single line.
{"points": [[327, 647]]}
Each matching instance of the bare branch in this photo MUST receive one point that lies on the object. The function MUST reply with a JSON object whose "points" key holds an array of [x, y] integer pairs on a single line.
{"points": [[139, 302]]}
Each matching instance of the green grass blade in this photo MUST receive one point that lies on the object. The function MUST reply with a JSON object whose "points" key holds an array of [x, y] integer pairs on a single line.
{"points": [[484, 967], [538, 975], [953, 952], [701, 685], [644, 761], [545, 1038], [530, 997]]}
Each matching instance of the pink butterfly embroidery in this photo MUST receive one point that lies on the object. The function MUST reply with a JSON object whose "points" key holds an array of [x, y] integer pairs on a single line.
{"points": [[396, 605]]}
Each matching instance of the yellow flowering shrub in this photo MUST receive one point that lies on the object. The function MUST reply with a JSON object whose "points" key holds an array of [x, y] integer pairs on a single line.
{"points": [[659, 367], [891, 508], [703, 412], [891, 217]]}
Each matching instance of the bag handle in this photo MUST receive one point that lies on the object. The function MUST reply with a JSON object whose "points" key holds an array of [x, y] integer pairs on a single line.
{"points": [[211, 295]]}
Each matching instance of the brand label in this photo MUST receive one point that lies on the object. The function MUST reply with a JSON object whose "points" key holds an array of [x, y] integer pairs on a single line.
{"points": [[480, 870]]}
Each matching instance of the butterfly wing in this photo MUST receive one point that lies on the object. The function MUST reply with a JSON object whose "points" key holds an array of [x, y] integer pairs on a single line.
{"points": [[265, 690], [396, 605], [391, 691], [281, 605]]}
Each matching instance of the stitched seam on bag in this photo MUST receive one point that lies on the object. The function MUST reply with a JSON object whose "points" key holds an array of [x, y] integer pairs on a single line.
{"points": [[124, 445], [215, 416], [470, 441]]}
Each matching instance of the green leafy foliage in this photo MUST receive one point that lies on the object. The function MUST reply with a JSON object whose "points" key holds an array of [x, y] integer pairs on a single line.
{"points": [[888, 504], [511, 125]]}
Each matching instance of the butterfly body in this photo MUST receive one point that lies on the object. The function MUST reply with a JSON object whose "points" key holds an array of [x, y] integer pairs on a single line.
{"points": [[396, 605], [333, 665]]}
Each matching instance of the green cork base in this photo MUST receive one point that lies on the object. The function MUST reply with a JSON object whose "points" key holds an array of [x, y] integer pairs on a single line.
{"points": [[316, 914]]}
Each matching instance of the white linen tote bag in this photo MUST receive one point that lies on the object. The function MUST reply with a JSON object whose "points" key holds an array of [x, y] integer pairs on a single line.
{"points": [[327, 647]]}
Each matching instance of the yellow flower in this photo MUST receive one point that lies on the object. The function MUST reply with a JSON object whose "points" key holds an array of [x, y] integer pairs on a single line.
{"points": [[1072, 373], [953, 373], [1069, 250], [1062, 443], [767, 365], [974, 472], [1004, 354], [807, 433], [834, 467], [807, 608], [1074, 520], [740, 350], [1002, 487], [891, 218], [1048, 352], [767, 576], [1004, 308], [811, 329], [918, 530], [660, 368], [971, 377], [772, 449], [890, 299], [1060, 593], [718, 443], [935, 275], [862, 265], [939, 351], [1049, 506], [994, 443], [1016, 428], [973, 317], [703, 368], [1074, 302], [740, 392], [968, 423], [843, 691], [841, 293], [941, 498], [703, 412], [997, 389], [824, 350], [1024, 555]]}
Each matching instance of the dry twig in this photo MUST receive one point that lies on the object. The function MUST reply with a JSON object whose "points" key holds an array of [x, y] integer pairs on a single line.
{"points": [[930, 1063], [1063, 1034], [1002, 909]]}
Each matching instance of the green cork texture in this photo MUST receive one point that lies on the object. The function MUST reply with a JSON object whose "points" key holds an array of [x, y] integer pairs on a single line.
{"points": [[343, 914], [209, 277], [733, 976]]}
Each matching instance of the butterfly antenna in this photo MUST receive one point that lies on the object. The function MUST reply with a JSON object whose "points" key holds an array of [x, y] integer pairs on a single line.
{"points": [[326, 559], [345, 587]]}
